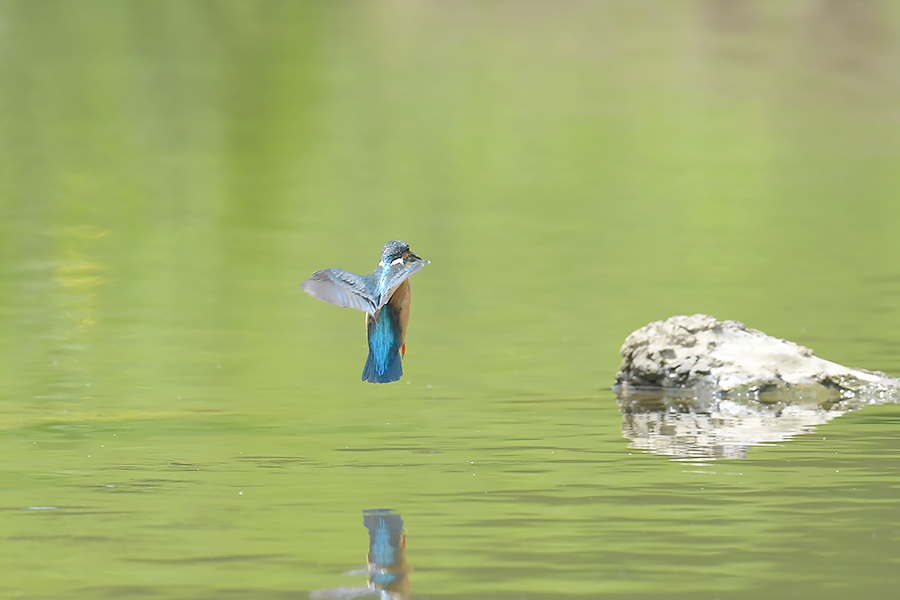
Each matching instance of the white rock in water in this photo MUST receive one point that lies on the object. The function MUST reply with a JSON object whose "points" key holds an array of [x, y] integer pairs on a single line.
{"points": [[715, 358]]}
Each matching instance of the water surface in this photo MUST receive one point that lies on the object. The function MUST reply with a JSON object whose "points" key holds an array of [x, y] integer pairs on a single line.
{"points": [[178, 420]]}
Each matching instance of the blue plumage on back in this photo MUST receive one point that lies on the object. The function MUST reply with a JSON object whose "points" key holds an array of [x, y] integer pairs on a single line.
{"points": [[385, 334]]}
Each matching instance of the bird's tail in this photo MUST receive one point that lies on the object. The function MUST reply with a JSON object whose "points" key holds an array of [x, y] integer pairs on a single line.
{"points": [[393, 368], [383, 364]]}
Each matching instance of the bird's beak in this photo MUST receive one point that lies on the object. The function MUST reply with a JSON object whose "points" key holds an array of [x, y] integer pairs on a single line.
{"points": [[413, 257]]}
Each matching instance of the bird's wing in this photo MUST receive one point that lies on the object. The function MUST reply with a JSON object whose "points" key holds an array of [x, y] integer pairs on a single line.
{"points": [[340, 288], [399, 277]]}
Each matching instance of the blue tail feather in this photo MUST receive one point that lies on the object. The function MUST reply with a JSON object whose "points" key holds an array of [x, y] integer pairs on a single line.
{"points": [[384, 364], [393, 370]]}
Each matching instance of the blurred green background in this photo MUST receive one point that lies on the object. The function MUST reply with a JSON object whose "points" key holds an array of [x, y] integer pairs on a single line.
{"points": [[171, 170]]}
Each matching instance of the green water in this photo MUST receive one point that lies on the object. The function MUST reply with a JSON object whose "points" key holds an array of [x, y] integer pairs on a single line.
{"points": [[178, 420]]}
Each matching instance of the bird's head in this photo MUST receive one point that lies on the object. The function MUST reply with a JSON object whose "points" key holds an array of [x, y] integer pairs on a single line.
{"points": [[398, 253]]}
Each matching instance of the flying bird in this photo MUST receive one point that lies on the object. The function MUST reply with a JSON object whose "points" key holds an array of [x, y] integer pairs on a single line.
{"points": [[384, 297]]}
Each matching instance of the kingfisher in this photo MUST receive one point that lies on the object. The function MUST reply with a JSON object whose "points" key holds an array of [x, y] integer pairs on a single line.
{"points": [[387, 567], [384, 297]]}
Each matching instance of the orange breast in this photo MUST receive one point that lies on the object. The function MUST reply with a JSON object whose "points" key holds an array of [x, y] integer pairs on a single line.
{"points": [[400, 302]]}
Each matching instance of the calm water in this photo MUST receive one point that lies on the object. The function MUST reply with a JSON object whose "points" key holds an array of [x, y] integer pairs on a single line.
{"points": [[178, 420]]}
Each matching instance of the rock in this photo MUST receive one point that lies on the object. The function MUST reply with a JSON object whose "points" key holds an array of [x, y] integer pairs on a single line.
{"points": [[692, 360]]}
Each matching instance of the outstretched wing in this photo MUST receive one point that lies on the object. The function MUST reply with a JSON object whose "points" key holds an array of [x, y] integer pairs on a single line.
{"points": [[399, 277], [340, 288]]}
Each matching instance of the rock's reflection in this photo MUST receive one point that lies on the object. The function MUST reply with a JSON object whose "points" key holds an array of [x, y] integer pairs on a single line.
{"points": [[715, 428], [386, 565]]}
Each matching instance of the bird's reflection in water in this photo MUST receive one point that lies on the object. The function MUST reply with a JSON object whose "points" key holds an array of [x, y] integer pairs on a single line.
{"points": [[386, 567]]}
